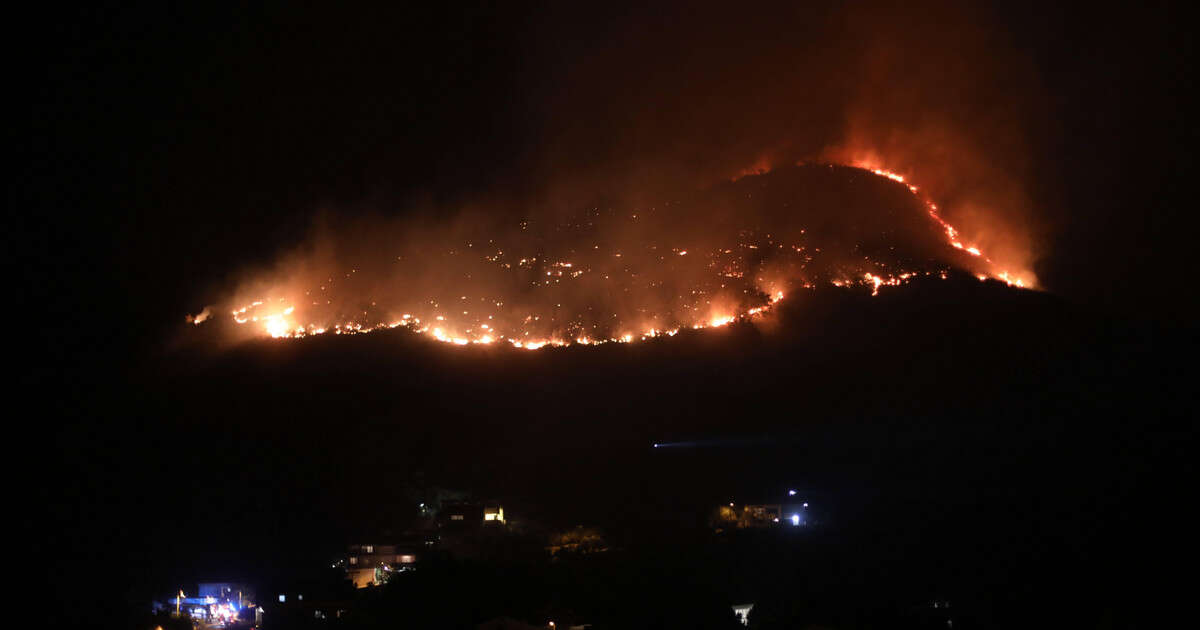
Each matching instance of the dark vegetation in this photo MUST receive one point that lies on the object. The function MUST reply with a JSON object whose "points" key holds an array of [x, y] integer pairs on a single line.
{"points": [[960, 440]]}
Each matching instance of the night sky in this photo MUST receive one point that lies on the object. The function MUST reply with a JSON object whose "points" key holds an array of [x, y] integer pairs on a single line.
{"points": [[965, 434]]}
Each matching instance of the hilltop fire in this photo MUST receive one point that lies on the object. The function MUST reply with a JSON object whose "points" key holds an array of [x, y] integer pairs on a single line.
{"points": [[618, 276]]}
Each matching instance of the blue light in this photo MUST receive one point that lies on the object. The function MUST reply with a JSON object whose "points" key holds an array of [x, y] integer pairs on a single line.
{"points": [[791, 493], [795, 519]]}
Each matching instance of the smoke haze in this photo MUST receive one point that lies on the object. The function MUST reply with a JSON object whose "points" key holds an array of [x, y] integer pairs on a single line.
{"points": [[629, 134]]}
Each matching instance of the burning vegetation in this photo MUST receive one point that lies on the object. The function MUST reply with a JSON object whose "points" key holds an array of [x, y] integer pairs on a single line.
{"points": [[617, 272]]}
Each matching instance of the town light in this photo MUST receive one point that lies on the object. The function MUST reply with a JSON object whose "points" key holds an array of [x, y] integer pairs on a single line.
{"points": [[795, 519]]}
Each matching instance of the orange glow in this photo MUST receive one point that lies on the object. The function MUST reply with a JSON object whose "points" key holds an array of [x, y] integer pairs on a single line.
{"points": [[475, 320], [951, 234]]}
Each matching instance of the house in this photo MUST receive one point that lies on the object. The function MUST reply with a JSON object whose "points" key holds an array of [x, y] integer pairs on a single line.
{"points": [[742, 611], [747, 516], [466, 516], [370, 564]]}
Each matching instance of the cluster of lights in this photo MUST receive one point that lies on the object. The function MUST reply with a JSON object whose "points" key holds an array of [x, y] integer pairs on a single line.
{"points": [[796, 519], [213, 611]]}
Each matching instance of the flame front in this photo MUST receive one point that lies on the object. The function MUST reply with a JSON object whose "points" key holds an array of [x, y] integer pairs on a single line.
{"points": [[952, 235]]}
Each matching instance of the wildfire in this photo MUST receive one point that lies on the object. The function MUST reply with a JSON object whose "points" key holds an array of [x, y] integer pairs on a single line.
{"points": [[731, 284], [952, 235]]}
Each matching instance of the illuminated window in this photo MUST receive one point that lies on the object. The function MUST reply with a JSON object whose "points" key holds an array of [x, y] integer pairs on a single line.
{"points": [[353, 560], [743, 613], [368, 548], [456, 517]]}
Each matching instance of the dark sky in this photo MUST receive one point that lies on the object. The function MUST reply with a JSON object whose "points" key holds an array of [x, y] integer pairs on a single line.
{"points": [[165, 149]]}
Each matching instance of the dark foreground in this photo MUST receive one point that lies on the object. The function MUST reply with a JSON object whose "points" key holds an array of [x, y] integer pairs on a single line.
{"points": [[960, 442]]}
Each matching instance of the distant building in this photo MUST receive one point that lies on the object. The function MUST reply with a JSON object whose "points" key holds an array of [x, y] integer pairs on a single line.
{"points": [[239, 592], [291, 609], [460, 516], [747, 516], [372, 564], [743, 613], [793, 512]]}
